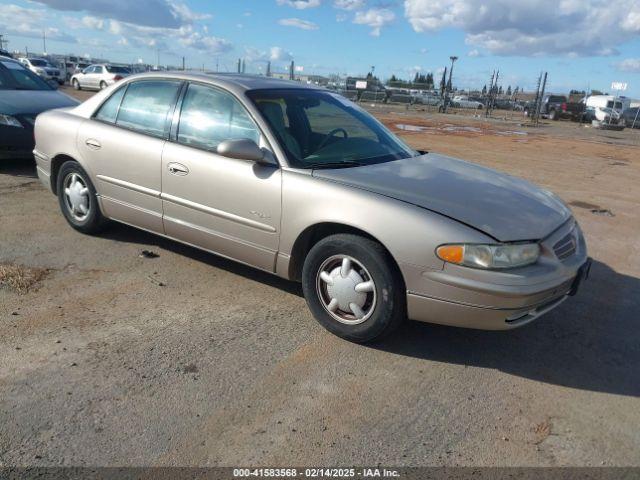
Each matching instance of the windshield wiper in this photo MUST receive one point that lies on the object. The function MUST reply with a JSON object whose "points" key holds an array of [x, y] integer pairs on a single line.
{"points": [[345, 164]]}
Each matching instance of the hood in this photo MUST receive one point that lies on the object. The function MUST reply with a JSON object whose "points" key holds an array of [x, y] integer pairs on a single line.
{"points": [[15, 102], [506, 208]]}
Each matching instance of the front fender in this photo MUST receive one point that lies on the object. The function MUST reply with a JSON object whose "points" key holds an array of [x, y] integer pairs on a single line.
{"points": [[410, 233]]}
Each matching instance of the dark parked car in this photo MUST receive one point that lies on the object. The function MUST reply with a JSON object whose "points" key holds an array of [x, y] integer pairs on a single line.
{"points": [[23, 95], [631, 117], [554, 107]]}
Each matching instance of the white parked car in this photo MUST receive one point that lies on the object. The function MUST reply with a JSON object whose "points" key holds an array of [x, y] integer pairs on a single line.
{"points": [[43, 68], [99, 76], [462, 101]]}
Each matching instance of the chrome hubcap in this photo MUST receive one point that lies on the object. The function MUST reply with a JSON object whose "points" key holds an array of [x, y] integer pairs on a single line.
{"points": [[76, 196], [346, 289]]}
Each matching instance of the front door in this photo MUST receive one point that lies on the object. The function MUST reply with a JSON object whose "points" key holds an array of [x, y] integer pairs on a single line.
{"points": [[122, 146], [228, 206]]}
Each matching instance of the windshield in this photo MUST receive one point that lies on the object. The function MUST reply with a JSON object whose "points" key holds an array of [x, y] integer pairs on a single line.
{"points": [[319, 128], [14, 76], [38, 63], [112, 69]]}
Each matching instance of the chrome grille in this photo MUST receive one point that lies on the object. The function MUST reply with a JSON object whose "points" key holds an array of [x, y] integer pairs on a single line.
{"points": [[566, 246]]}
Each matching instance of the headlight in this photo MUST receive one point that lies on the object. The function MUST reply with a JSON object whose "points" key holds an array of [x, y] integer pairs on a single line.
{"points": [[490, 256], [40, 70], [9, 121]]}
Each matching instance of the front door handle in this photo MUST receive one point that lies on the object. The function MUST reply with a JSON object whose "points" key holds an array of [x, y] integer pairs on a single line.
{"points": [[177, 169], [93, 144]]}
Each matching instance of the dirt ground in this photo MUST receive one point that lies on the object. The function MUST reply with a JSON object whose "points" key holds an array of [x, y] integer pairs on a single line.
{"points": [[110, 358]]}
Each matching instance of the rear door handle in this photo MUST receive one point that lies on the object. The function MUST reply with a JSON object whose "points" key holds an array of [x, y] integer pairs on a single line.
{"points": [[177, 169], [93, 144]]}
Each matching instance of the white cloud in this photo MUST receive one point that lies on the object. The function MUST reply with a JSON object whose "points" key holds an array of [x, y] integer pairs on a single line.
{"points": [[92, 22], [629, 65], [474, 53], [186, 36], [541, 27], [341, 17], [298, 23], [30, 22], [274, 54], [278, 54], [152, 13], [349, 4], [376, 18], [300, 4]]}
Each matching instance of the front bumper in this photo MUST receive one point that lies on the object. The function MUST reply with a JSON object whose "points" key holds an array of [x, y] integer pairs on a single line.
{"points": [[15, 142], [492, 300], [445, 312]]}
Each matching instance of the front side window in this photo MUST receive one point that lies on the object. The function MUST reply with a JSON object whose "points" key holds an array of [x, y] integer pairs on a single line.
{"points": [[109, 110], [146, 105], [210, 116], [321, 129]]}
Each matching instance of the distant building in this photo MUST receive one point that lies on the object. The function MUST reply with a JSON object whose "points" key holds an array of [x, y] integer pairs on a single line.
{"points": [[303, 78]]}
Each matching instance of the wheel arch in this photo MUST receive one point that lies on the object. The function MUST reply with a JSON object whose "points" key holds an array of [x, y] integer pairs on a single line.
{"points": [[56, 163], [318, 231]]}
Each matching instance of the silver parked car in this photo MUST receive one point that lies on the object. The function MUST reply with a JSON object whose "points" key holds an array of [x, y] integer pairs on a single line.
{"points": [[98, 77], [302, 183], [43, 68]]}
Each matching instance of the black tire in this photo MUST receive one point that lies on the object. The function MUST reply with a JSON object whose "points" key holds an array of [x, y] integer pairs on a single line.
{"points": [[76, 84], [103, 85], [553, 115], [94, 221], [389, 309]]}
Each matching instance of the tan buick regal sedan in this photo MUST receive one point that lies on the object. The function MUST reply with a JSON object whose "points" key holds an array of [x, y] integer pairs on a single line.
{"points": [[302, 183]]}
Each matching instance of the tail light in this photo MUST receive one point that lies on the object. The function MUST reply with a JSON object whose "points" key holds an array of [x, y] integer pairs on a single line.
{"points": [[118, 77], [564, 107]]}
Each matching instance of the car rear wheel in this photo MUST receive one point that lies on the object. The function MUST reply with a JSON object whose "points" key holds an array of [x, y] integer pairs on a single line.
{"points": [[78, 200], [76, 84], [103, 85], [353, 288]]}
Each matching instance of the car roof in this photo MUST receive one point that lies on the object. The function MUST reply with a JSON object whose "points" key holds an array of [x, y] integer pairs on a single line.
{"points": [[230, 81]]}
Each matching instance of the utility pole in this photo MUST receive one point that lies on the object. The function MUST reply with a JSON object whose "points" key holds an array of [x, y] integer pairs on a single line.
{"points": [[239, 65], [291, 69], [217, 60], [268, 69], [243, 66], [158, 58], [44, 42], [453, 59], [183, 69]]}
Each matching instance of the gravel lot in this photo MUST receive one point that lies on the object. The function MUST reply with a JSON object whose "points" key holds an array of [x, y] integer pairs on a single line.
{"points": [[110, 358]]}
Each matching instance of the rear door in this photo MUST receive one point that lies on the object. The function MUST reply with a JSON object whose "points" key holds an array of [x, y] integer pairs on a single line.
{"points": [[228, 206], [122, 146]]}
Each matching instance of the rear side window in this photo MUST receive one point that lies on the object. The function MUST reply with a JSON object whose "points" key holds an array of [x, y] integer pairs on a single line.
{"points": [[210, 116], [146, 104], [109, 109]]}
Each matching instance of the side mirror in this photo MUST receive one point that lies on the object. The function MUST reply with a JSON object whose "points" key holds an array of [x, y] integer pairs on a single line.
{"points": [[243, 149]]}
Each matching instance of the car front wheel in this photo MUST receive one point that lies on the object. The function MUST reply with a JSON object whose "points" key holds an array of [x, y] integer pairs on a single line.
{"points": [[353, 288], [76, 84], [78, 200]]}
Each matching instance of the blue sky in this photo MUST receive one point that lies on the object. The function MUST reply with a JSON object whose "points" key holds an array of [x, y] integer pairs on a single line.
{"points": [[581, 43]]}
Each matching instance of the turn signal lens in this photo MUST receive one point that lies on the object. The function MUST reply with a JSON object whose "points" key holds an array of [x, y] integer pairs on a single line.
{"points": [[451, 253]]}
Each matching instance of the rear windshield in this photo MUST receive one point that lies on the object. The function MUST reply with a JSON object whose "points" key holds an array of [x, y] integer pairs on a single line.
{"points": [[557, 99], [14, 76], [113, 69], [38, 63]]}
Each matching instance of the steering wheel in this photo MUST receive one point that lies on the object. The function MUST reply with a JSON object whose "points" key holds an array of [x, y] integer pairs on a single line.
{"points": [[331, 134]]}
